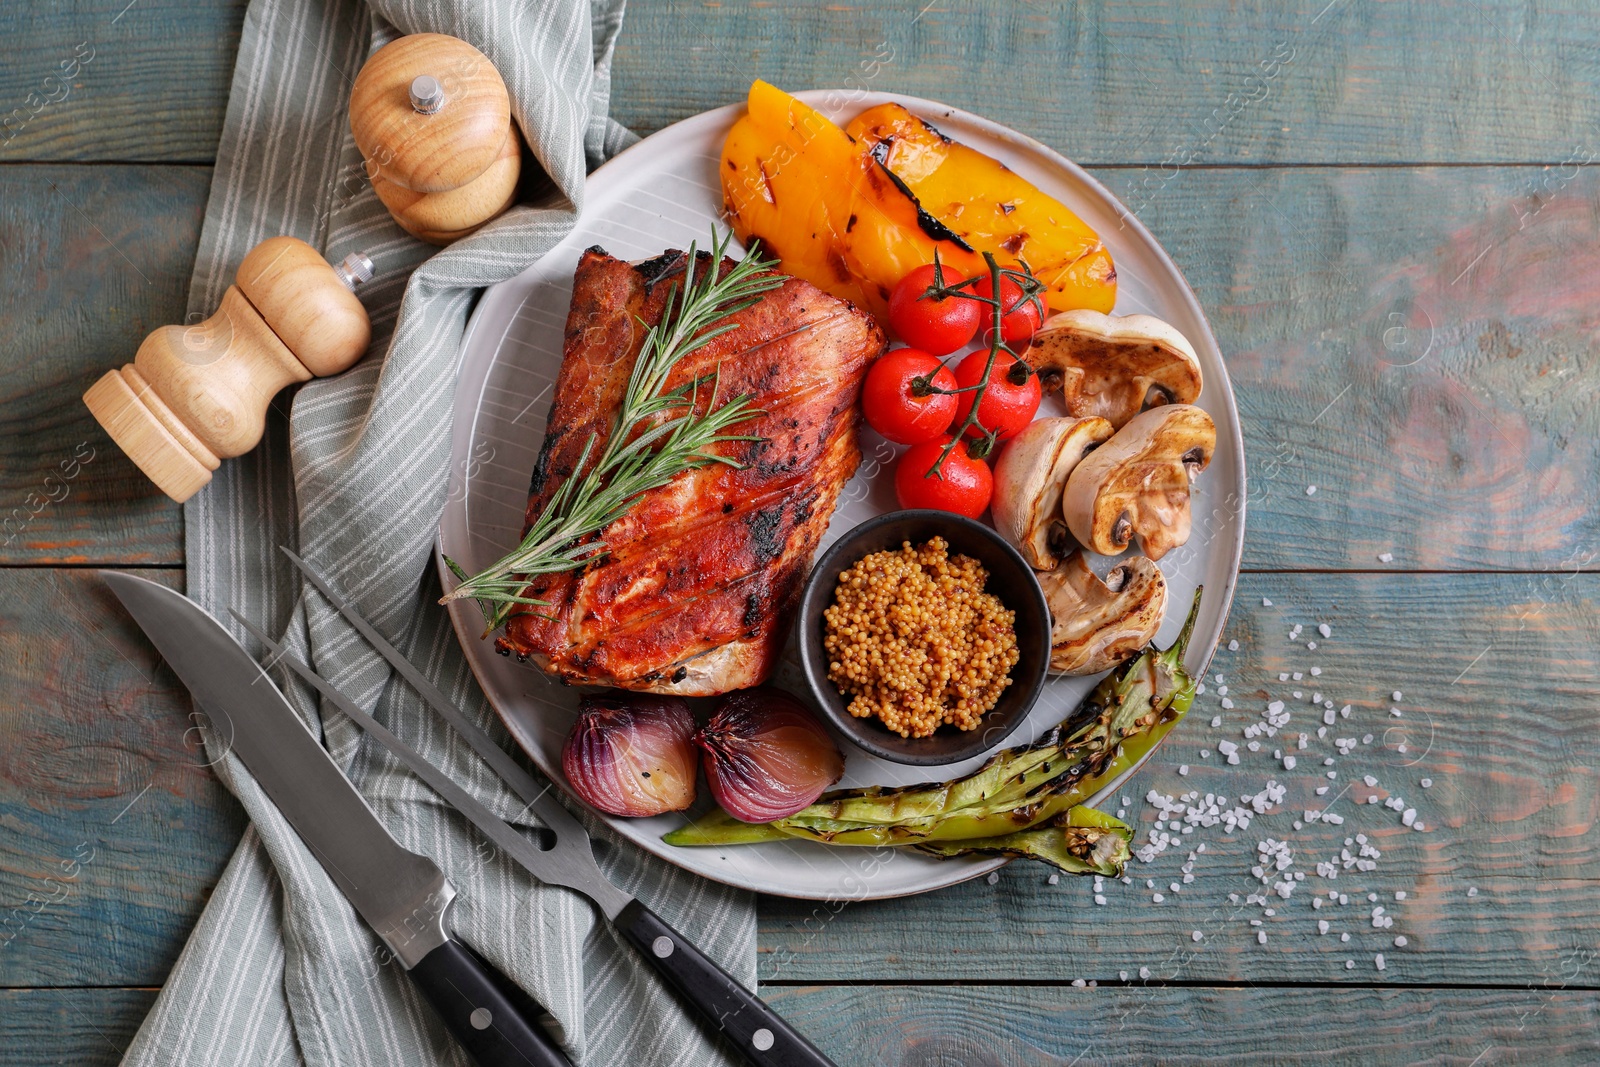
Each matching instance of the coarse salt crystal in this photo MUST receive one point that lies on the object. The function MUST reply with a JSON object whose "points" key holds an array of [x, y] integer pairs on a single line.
{"points": [[1398, 696], [1157, 897], [1409, 817], [1399, 894], [1316, 672], [1400, 942], [1288, 763], [1378, 959], [1261, 937], [1122, 976], [1226, 703], [1325, 630], [1321, 789], [1183, 768], [1371, 781], [1283, 677], [1054, 879], [1233, 646], [1344, 712], [1322, 926], [1144, 972], [1427, 783], [994, 878], [1396, 712], [1266, 603], [1311, 646], [1078, 983], [1343, 937], [1099, 899], [1473, 891], [1349, 965], [1385, 557], [1311, 490], [1216, 721], [1195, 935]]}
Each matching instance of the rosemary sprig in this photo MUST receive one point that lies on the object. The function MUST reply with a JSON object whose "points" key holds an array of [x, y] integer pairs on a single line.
{"points": [[657, 435]]}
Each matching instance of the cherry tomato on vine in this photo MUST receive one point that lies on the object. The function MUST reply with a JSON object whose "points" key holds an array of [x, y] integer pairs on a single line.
{"points": [[936, 326], [1007, 406], [963, 486], [890, 402], [1022, 319]]}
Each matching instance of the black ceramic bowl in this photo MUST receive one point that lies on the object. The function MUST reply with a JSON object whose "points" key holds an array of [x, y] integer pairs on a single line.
{"points": [[1010, 579]]}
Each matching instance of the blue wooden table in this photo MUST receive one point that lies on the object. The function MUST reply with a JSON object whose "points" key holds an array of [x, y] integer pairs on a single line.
{"points": [[1388, 212]]}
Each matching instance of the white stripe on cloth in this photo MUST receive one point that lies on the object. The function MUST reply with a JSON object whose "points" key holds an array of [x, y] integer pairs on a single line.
{"points": [[280, 971]]}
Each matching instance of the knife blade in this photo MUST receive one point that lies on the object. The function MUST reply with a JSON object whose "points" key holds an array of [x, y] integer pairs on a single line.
{"points": [[757, 1032], [402, 896]]}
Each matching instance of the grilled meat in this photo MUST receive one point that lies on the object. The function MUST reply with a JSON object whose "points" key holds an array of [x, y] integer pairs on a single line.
{"points": [[700, 576]]}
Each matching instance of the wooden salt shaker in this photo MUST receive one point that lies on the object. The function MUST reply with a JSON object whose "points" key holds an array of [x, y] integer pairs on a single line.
{"points": [[432, 119], [195, 395]]}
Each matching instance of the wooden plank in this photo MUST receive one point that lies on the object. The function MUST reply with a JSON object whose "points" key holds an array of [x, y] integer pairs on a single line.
{"points": [[112, 828], [1500, 680], [94, 258], [1136, 82], [1253, 82], [1417, 345], [1000, 1026], [1510, 748], [116, 81], [1434, 418], [80, 1027]]}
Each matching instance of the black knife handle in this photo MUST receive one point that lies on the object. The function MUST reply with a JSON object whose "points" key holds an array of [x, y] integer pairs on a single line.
{"points": [[491, 1018], [758, 1033]]}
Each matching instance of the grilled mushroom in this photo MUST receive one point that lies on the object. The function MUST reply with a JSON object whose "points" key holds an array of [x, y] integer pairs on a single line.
{"points": [[1096, 625], [1029, 477], [1137, 483], [1115, 366]]}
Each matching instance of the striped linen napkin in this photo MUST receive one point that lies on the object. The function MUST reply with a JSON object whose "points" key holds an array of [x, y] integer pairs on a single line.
{"points": [[280, 970]]}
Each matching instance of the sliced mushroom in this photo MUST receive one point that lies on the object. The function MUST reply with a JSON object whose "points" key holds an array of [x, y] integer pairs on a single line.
{"points": [[1096, 625], [1029, 477], [1137, 483], [1115, 366]]}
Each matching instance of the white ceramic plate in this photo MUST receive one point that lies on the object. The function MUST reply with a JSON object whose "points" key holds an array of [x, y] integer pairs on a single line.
{"points": [[664, 193]]}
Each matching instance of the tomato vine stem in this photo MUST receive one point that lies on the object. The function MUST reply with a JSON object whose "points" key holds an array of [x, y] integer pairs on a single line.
{"points": [[1031, 287]]}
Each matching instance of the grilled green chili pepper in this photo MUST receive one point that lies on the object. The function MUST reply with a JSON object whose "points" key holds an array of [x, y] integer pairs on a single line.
{"points": [[1080, 841], [1125, 716]]}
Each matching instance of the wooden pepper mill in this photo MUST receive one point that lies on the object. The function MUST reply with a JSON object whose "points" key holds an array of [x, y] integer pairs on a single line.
{"points": [[195, 395], [432, 119]]}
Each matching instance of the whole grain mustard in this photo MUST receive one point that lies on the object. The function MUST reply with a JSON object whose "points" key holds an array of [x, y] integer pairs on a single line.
{"points": [[913, 639]]}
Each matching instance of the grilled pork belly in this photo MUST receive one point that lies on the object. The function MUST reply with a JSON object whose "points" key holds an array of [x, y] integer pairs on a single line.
{"points": [[700, 576]]}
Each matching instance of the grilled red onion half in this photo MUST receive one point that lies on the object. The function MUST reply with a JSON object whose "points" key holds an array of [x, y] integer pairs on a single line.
{"points": [[630, 754], [766, 756]]}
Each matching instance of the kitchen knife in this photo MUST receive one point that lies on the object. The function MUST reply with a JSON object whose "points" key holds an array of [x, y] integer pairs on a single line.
{"points": [[404, 897], [760, 1034]]}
